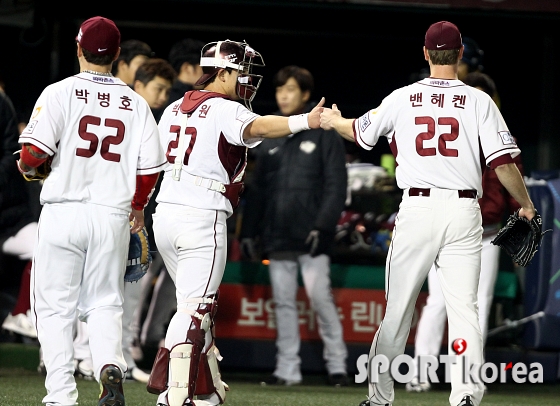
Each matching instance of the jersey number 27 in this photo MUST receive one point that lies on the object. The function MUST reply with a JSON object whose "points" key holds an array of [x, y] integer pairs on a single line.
{"points": [[176, 129]]}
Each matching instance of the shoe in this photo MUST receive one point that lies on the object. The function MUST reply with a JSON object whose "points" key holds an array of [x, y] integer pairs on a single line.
{"points": [[338, 380], [415, 386], [273, 380], [136, 374], [20, 324], [466, 401], [111, 387], [83, 369]]}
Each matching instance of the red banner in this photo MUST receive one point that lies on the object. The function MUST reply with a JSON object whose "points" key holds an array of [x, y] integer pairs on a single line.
{"points": [[247, 312]]}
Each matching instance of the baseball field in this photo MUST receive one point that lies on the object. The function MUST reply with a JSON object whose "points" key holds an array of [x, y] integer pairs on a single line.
{"points": [[22, 387]]}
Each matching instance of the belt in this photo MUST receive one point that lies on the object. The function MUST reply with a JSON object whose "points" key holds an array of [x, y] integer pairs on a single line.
{"points": [[467, 194]]}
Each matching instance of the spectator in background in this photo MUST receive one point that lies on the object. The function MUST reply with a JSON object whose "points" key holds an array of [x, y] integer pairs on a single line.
{"points": [[495, 202], [133, 54], [293, 205], [184, 56], [153, 81]]}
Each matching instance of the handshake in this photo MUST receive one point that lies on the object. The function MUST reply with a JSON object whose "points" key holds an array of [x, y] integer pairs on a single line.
{"points": [[324, 117]]}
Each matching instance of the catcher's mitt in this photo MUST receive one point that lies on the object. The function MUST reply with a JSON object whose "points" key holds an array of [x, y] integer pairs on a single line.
{"points": [[139, 257], [520, 237]]}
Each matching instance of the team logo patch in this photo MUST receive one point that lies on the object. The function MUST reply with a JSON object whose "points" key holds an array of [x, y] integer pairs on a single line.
{"points": [[364, 122], [36, 111], [507, 138], [30, 127], [307, 146]]}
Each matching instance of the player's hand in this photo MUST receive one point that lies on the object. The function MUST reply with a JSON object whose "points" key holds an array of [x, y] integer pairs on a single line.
{"points": [[527, 212], [312, 241], [329, 117], [137, 219], [314, 117]]}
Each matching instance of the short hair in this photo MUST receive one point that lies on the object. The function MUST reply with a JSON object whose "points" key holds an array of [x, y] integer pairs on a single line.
{"points": [[100, 60], [482, 80], [303, 77], [155, 67], [131, 48], [187, 50], [444, 57]]}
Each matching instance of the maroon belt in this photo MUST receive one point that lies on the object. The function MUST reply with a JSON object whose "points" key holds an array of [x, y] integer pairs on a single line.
{"points": [[467, 194]]}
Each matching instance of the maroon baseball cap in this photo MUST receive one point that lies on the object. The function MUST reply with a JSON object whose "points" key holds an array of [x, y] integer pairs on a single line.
{"points": [[100, 36], [443, 35]]}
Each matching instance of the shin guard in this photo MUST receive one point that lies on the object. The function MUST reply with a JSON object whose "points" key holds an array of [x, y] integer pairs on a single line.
{"points": [[183, 367]]}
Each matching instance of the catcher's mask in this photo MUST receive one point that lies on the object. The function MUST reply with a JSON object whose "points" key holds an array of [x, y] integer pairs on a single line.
{"points": [[235, 55]]}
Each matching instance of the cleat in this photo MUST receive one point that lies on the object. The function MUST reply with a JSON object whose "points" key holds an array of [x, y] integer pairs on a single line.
{"points": [[20, 324], [368, 403], [83, 369], [111, 387], [417, 387]]}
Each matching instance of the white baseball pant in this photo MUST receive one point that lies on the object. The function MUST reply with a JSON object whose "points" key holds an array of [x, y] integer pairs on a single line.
{"points": [[78, 266], [446, 230], [431, 326], [193, 245]]}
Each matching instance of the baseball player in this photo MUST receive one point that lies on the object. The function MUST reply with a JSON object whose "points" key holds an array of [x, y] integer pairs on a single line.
{"points": [[494, 202], [442, 132], [106, 157], [206, 135]]}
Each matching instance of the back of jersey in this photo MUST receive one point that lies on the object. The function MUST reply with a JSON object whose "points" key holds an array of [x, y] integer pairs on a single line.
{"points": [[442, 133], [101, 133]]}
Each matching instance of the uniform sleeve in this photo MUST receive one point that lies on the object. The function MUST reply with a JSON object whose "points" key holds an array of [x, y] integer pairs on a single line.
{"points": [[151, 158], [235, 119], [46, 122], [495, 138], [374, 124]]}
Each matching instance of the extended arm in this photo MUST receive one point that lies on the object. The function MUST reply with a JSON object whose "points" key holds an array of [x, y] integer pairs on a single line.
{"points": [[331, 119], [278, 126], [510, 177]]}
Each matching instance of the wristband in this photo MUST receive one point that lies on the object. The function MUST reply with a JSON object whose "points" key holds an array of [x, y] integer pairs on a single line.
{"points": [[298, 123]]}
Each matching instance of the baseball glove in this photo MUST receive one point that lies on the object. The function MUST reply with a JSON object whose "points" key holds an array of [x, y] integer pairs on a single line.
{"points": [[39, 173], [139, 257], [520, 237]]}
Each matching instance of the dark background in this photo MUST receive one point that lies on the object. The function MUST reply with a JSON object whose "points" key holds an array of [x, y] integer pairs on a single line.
{"points": [[358, 51]]}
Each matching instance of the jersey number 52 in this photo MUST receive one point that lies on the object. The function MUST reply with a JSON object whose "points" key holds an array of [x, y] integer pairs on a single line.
{"points": [[444, 138]]}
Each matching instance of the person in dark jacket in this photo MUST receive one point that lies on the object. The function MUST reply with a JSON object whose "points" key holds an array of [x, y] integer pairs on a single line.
{"points": [[292, 206]]}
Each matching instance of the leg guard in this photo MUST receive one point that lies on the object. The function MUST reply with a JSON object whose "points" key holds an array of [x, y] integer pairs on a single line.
{"points": [[157, 383], [209, 380], [184, 358]]}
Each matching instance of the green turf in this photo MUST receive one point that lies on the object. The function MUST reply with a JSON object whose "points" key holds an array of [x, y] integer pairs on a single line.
{"points": [[20, 387]]}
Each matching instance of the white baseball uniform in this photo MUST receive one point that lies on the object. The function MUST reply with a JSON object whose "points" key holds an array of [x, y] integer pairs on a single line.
{"points": [[190, 218], [441, 132], [102, 135]]}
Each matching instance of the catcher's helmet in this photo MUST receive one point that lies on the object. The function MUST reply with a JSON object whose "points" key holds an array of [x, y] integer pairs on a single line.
{"points": [[473, 56], [235, 55]]}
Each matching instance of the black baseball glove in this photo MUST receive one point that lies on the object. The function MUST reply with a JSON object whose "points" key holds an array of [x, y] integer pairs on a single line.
{"points": [[520, 237]]}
